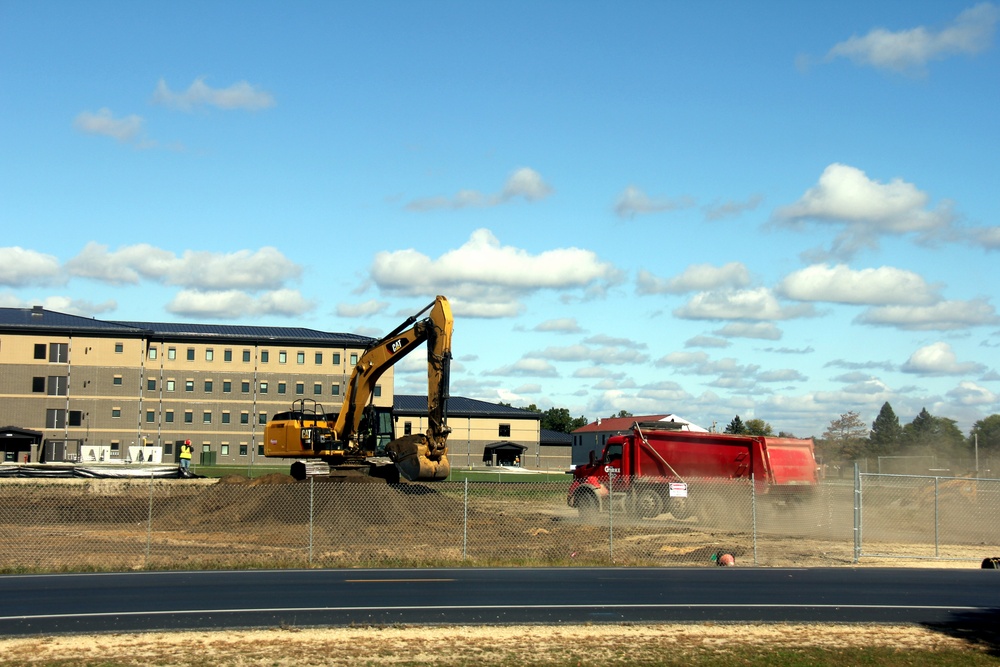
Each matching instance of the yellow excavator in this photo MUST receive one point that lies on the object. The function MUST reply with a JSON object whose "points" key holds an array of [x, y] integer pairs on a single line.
{"points": [[360, 438]]}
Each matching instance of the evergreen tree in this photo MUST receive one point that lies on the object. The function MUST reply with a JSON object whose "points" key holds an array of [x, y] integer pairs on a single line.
{"points": [[933, 435], [885, 433], [985, 434], [736, 427]]}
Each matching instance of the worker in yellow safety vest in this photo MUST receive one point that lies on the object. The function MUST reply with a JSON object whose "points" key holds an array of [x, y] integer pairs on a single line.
{"points": [[185, 455]]}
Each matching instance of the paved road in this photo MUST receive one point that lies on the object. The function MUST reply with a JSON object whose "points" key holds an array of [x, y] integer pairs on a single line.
{"points": [[140, 601]]}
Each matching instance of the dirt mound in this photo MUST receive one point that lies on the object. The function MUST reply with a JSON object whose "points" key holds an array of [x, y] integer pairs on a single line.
{"points": [[233, 479], [273, 479]]}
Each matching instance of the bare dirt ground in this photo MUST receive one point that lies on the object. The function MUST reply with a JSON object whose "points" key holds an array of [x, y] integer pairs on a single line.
{"points": [[509, 645]]}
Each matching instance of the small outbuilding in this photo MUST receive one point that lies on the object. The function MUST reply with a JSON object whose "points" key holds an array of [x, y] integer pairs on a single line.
{"points": [[19, 445], [503, 454]]}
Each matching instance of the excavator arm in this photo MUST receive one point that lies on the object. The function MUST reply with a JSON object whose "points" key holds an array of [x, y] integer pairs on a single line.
{"points": [[342, 438]]}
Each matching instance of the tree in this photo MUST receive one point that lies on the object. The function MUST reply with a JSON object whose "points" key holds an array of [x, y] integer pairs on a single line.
{"points": [[985, 434], [933, 435], [848, 436], [736, 427], [758, 427], [559, 419], [886, 432], [622, 413]]}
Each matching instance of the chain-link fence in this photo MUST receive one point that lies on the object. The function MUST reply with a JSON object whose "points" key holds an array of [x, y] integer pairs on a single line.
{"points": [[54, 525]]}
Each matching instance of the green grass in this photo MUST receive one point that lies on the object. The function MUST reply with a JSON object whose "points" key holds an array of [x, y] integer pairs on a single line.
{"points": [[457, 475]]}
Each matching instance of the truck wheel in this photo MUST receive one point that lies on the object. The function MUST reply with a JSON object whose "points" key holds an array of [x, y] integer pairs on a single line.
{"points": [[648, 504], [587, 505], [679, 508]]}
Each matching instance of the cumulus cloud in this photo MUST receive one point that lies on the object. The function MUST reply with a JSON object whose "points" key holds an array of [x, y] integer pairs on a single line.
{"points": [[907, 50], [266, 268], [865, 210], [61, 304], [560, 325], [21, 268], [527, 367], [706, 341], [942, 316], [760, 330], [939, 359], [234, 304], [750, 304], [633, 202], [696, 278], [482, 278], [127, 129], [525, 183], [611, 355], [366, 309], [970, 393], [987, 237], [841, 284], [241, 95], [731, 209], [781, 375]]}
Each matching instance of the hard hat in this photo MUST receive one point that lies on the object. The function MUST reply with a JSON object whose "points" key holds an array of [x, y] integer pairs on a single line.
{"points": [[187, 442], [727, 560]]}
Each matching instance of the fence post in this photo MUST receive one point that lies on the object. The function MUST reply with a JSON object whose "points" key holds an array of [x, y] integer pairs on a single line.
{"points": [[937, 518], [857, 512], [149, 520], [753, 515], [465, 522], [312, 489], [611, 515]]}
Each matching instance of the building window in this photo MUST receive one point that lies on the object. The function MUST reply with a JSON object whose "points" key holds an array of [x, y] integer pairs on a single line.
{"points": [[150, 385], [38, 385], [245, 387], [188, 417], [335, 390], [243, 449], [170, 385], [208, 386], [58, 385], [407, 428], [115, 445], [378, 390], [319, 358], [116, 413], [117, 380], [151, 353], [150, 416], [209, 354], [225, 417], [75, 418], [263, 387], [227, 387], [168, 448], [171, 353], [281, 387], [227, 355], [264, 356], [300, 388], [317, 389], [39, 350], [244, 417], [504, 431], [206, 417], [336, 358], [354, 359], [246, 356], [260, 450], [189, 385], [262, 418], [58, 353], [206, 448], [119, 348], [282, 357], [190, 354], [224, 449], [55, 418], [168, 416]]}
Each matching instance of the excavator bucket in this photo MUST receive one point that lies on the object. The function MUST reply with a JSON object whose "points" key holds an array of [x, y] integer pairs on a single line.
{"points": [[419, 459]]}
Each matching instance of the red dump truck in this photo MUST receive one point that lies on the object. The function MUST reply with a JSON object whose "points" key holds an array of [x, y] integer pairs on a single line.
{"points": [[658, 468]]}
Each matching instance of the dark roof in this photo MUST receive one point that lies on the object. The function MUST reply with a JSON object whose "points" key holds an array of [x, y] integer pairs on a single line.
{"points": [[504, 447], [458, 406], [550, 437], [611, 424], [39, 319]]}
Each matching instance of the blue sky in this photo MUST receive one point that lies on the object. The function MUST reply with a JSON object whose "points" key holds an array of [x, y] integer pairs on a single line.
{"points": [[782, 210]]}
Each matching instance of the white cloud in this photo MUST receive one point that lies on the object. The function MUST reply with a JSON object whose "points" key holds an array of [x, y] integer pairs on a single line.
{"points": [[61, 304], [751, 304], [20, 268], [527, 367], [942, 316], [484, 279], [706, 341], [600, 355], [524, 183], [866, 209], [634, 201], [234, 304], [841, 284], [781, 375], [760, 330], [366, 309], [970, 393], [266, 268], [938, 359], [987, 237], [731, 209], [240, 95], [103, 123], [560, 325], [971, 32], [695, 278]]}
